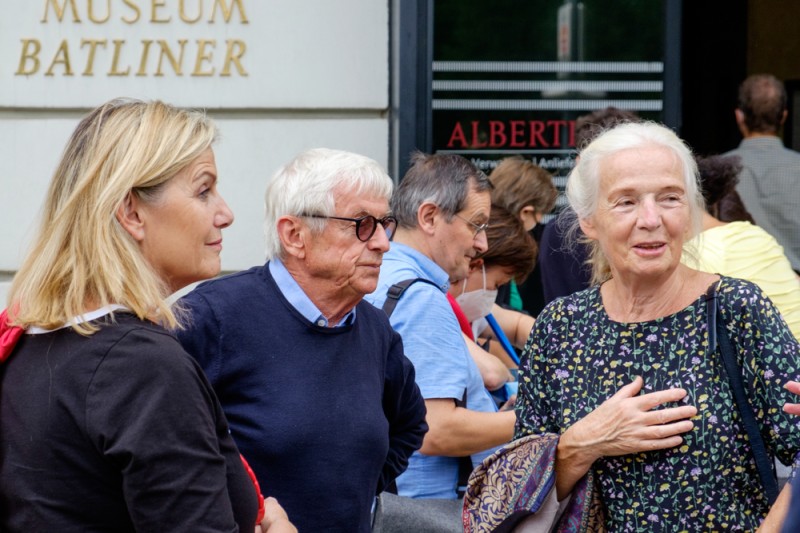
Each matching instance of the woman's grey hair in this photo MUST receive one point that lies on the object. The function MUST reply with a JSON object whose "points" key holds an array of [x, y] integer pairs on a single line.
{"points": [[583, 184], [307, 186], [442, 179]]}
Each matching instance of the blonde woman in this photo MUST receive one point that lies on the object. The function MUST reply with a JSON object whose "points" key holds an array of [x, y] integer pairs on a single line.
{"points": [[106, 424]]}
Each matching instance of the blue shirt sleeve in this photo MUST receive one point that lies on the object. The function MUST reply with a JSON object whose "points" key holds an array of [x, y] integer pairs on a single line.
{"points": [[432, 341]]}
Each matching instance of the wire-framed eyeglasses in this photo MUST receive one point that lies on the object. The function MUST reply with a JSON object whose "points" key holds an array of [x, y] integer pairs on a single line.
{"points": [[477, 227], [366, 225]]}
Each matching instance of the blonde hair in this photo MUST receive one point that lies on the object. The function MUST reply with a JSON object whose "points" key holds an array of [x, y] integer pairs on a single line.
{"points": [[81, 255]]}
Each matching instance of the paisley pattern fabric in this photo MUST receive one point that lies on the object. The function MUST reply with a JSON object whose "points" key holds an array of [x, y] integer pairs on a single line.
{"points": [[577, 357], [515, 482]]}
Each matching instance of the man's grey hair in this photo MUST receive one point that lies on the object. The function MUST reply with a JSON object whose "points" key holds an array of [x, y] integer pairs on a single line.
{"points": [[308, 184], [442, 179]]}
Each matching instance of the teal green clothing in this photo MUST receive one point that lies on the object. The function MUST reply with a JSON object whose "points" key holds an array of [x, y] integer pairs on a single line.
{"points": [[577, 357], [514, 299]]}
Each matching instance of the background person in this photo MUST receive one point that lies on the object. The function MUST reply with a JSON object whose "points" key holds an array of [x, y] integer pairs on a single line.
{"points": [[106, 424], [511, 254], [320, 397], [563, 257], [769, 180], [620, 370], [527, 191], [442, 206], [741, 249]]}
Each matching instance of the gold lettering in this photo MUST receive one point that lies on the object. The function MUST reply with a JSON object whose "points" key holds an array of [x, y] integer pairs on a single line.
{"points": [[155, 5], [91, 12], [165, 51], [227, 10], [143, 63], [182, 11], [60, 10], [171, 54], [28, 54], [202, 56], [234, 57], [89, 70], [133, 6], [61, 58], [118, 43]]}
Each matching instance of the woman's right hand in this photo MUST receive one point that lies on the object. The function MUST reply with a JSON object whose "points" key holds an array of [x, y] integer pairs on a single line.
{"points": [[627, 423], [623, 424]]}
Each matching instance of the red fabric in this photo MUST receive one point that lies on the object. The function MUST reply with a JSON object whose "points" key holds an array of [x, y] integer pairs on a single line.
{"points": [[257, 487], [466, 327], [9, 335]]}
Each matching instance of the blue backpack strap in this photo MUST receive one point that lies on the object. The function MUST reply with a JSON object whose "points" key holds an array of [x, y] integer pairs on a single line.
{"points": [[397, 290]]}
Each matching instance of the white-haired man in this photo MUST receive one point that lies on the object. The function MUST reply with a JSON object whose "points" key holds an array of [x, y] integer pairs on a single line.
{"points": [[320, 398]]}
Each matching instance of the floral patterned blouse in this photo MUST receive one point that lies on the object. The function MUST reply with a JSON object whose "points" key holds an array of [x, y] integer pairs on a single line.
{"points": [[577, 357]]}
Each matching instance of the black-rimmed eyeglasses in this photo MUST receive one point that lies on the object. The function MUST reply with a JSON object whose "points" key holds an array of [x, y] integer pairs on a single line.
{"points": [[366, 225], [477, 227]]}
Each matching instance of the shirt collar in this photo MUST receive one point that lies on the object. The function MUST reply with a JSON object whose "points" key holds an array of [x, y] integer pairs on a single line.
{"points": [[762, 140], [298, 299], [85, 317]]}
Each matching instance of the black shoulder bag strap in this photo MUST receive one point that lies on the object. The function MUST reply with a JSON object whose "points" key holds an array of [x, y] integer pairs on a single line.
{"points": [[393, 295], [717, 333], [396, 291]]}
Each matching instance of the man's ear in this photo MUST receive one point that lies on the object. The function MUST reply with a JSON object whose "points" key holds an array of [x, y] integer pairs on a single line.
{"points": [[783, 116], [426, 217], [739, 114], [129, 216], [475, 264], [292, 233]]}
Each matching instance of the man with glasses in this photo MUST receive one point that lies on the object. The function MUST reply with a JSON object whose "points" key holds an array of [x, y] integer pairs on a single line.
{"points": [[320, 398], [442, 208]]}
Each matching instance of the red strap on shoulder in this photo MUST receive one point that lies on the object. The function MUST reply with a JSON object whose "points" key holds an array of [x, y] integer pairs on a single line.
{"points": [[463, 322], [258, 489], [9, 335]]}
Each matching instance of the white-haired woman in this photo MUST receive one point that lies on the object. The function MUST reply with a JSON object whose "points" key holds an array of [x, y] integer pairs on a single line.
{"points": [[623, 372], [106, 423]]}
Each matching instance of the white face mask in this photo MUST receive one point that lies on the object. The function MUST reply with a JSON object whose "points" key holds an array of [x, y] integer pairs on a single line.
{"points": [[477, 304]]}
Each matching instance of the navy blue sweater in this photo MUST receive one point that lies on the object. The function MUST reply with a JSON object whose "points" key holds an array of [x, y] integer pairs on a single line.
{"points": [[327, 417]]}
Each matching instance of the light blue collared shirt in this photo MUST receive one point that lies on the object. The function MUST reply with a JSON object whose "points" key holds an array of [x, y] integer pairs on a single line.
{"points": [[432, 340], [299, 299]]}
